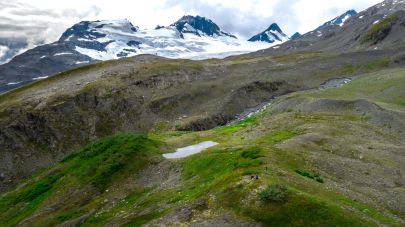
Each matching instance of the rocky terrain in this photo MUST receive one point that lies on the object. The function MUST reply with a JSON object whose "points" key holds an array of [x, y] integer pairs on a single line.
{"points": [[84, 147]]}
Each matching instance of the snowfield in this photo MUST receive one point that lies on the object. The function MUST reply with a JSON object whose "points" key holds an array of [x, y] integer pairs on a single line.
{"points": [[167, 42]]}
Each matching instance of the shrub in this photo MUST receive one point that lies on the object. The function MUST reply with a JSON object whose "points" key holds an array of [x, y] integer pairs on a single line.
{"points": [[319, 179], [274, 193], [309, 175]]}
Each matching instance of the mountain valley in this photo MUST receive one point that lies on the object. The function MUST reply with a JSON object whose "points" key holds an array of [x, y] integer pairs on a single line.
{"points": [[308, 132]]}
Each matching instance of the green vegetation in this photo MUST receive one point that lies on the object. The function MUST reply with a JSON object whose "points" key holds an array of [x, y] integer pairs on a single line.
{"points": [[303, 211], [384, 87], [16, 206], [280, 136], [97, 165], [213, 169], [235, 127], [103, 170], [311, 176], [291, 208], [169, 65], [379, 30], [99, 162], [252, 153], [274, 193]]}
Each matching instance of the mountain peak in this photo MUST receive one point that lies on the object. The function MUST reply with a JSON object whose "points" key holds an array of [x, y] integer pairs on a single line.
{"points": [[272, 34], [340, 20], [295, 36], [274, 27], [199, 26], [94, 29]]}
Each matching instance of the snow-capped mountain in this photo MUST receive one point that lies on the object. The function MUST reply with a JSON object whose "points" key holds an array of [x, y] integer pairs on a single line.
{"points": [[199, 26], [191, 37], [273, 34], [340, 20]]}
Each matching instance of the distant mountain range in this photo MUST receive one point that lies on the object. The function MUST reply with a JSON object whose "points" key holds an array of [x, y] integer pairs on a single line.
{"points": [[87, 42]]}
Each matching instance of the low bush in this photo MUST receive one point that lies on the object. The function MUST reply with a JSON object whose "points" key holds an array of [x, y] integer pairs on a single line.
{"points": [[316, 177], [274, 193]]}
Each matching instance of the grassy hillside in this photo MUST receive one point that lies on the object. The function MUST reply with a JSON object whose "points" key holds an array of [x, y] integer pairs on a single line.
{"points": [[322, 157]]}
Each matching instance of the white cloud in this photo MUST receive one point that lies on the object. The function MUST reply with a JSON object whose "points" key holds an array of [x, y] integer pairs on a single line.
{"points": [[3, 50]]}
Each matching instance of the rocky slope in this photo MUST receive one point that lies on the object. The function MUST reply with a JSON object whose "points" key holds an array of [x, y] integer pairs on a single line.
{"points": [[379, 27]]}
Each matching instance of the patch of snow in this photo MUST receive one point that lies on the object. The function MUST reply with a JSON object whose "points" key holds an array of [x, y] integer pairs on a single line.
{"points": [[189, 28], [43, 56], [361, 17], [344, 20], [40, 78], [81, 62], [14, 83], [103, 40], [68, 38], [375, 22], [95, 54], [283, 37], [65, 53], [190, 150]]}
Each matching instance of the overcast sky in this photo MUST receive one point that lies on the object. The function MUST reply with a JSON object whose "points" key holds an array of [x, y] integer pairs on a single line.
{"points": [[45, 20]]}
